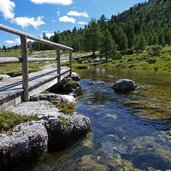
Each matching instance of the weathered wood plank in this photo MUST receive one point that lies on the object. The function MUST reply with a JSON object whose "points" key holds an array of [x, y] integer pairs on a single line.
{"points": [[11, 89], [20, 33], [58, 63], [24, 67], [4, 60], [70, 61]]}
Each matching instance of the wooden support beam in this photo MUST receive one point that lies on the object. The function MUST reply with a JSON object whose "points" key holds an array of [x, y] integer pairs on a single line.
{"points": [[70, 61], [23, 39], [58, 63]]}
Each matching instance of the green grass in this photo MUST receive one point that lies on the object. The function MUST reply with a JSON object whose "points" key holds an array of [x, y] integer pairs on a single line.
{"points": [[63, 121], [8, 120], [143, 61], [66, 107], [15, 69], [136, 61], [10, 53]]}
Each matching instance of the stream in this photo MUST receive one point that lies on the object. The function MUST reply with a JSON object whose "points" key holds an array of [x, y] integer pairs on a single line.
{"points": [[129, 131]]}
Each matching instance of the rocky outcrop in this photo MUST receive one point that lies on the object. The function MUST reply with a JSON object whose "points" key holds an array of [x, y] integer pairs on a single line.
{"points": [[32, 139], [54, 129], [27, 141], [67, 86], [65, 128], [124, 86], [57, 98], [75, 76]]}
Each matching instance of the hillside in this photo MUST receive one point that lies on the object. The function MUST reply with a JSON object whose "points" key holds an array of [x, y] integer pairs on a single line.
{"points": [[142, 25]]}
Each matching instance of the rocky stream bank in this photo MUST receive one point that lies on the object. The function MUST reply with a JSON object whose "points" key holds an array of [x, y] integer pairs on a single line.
{"points": [[53, 130]]}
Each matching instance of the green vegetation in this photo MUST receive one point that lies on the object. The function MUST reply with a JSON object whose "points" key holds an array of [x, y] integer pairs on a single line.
{"points": [[10, 53], [66, 107], [144, 24], [8, 120], [63, 121], [144, 61], [14, 69]]}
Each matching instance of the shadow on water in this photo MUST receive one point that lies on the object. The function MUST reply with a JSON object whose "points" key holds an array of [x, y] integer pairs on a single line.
{"points": [[130, 131]]}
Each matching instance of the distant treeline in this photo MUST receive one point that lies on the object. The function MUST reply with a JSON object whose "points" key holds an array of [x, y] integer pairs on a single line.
{"points": [[144, 24]]}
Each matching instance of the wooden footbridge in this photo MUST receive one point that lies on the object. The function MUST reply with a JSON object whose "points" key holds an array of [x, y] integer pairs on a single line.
{"points": [[19, 89]]}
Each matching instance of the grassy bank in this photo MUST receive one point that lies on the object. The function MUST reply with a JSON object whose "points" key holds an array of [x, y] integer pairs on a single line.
{"points": [[137, 61], [15, 69]]}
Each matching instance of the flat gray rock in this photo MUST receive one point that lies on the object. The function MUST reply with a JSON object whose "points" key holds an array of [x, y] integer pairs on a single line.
{"points": [[42, 109]]}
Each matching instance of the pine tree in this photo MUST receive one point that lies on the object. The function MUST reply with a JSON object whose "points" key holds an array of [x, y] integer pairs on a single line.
{"points": [[140, 42], [107, 46], [92, 37]]}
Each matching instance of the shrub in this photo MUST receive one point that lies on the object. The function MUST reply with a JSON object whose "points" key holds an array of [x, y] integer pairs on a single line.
{"points": [[154, 50], [156, 68], [151, 61]]}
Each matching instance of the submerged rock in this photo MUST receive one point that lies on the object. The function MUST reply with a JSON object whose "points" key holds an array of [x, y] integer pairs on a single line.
{"points": [[27, 141], [87, 163], [124, 86]]}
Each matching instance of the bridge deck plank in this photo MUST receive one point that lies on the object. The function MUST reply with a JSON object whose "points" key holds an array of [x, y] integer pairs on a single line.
{"points": [[12, 87]]}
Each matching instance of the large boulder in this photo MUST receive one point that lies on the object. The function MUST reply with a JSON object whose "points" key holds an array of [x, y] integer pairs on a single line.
{"points": [[124, 86], [62, 128], [65, 128], [27, 141]]}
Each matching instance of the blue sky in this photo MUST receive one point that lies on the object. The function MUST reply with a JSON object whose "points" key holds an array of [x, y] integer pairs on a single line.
{"points": [[38, 16]]}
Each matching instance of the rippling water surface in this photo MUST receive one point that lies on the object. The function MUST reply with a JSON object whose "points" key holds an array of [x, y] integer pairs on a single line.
{"points": [[129, 132]]}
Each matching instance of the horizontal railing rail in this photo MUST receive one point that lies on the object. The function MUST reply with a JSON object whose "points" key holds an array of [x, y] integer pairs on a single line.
{"points": [[20, 33], [25, 59], [7, 60]]}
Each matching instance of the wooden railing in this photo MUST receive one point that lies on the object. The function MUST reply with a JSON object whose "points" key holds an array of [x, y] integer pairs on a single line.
{"points": [[24, 56]]}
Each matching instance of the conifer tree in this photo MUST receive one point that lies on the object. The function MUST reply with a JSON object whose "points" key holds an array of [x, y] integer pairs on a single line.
{"points": [[107, 46]]}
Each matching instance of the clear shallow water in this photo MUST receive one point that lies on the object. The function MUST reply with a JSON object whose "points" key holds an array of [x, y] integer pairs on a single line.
{"points": [[129, 131]]}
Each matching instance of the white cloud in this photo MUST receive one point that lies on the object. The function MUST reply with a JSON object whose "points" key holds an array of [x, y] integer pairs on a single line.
{"points": [[57, 2], [6, 8], [48, 34], [78, 14], [26, 21], [67, 19], [82, 23], [13, 42]]}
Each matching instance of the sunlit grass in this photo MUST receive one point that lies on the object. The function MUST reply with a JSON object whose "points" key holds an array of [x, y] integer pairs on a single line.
{"points": [[8, 120], [66, 107], [15, 69]]}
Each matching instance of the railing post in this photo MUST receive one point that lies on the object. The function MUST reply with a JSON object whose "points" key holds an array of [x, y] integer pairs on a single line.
{"points": [[23, 39], [70, 61], [58, 63]]}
